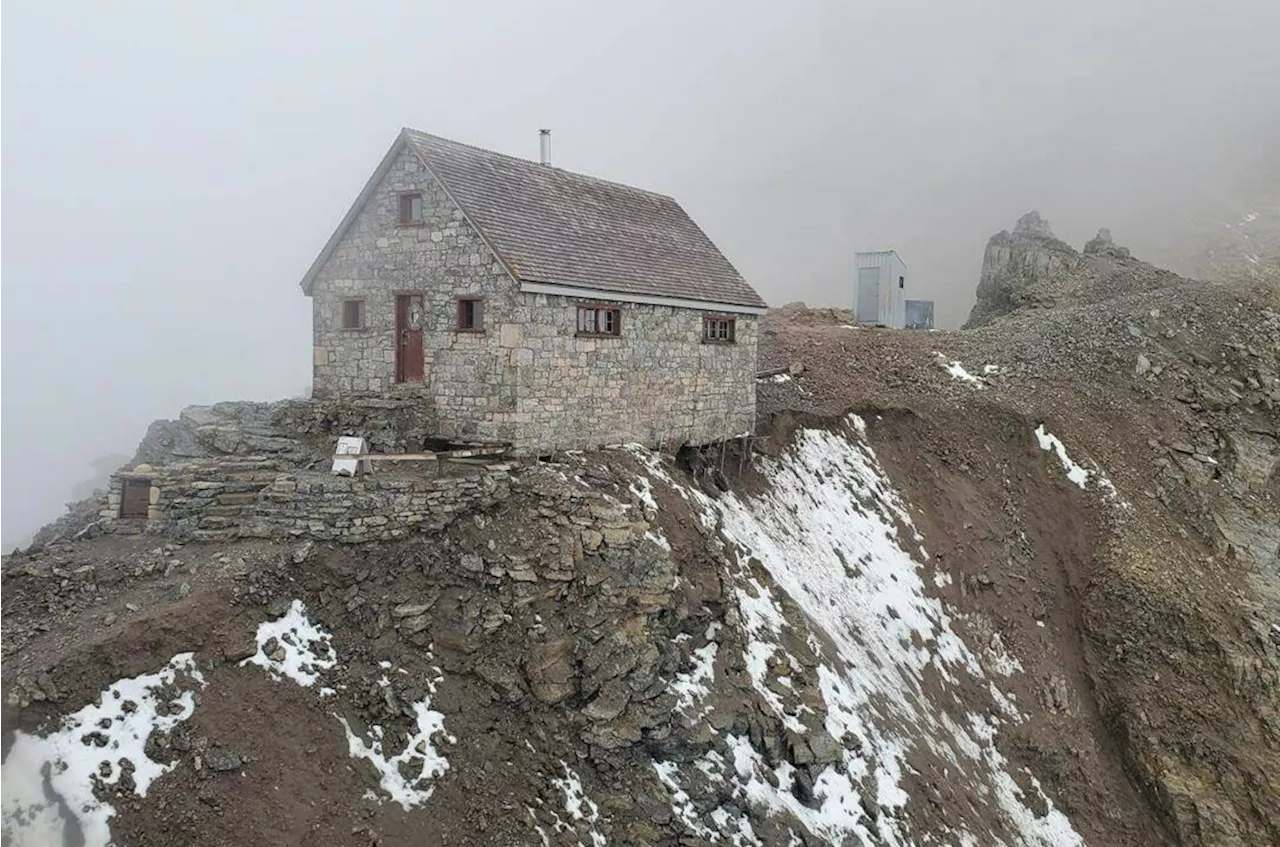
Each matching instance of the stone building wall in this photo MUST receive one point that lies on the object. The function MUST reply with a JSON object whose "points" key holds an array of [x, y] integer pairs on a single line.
{"points": [[444, 258], [655, 383], [526, 379], [257, 497]]}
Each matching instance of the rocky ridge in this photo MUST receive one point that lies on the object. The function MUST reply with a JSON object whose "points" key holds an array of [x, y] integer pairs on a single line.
{"points": [[1030, 267], [1022, 596]]}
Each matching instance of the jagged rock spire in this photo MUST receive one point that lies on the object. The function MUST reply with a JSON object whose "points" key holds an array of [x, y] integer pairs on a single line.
{"points": [[1103, 243], [1032, 224]]}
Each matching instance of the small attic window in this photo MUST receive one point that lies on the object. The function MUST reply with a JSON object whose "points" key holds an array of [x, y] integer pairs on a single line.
{"points": [[353, 314], [411, 209], [902, 282]]}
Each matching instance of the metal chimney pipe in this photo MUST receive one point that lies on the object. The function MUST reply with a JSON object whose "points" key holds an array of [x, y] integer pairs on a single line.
{"points": [[544, 145]]}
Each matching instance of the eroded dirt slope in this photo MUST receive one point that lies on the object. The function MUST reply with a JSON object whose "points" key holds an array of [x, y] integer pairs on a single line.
{"points": [[1173, 395]]}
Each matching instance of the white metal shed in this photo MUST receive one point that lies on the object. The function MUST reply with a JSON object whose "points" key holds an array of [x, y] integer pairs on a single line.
{"points": [[881, 295]]}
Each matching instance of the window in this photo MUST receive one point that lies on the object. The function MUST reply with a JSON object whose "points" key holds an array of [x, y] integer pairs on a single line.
{"points": [[135, 499], [717, 329], [410, 209], [599, 320], [470, 314], [902, 282], [353, 314]]}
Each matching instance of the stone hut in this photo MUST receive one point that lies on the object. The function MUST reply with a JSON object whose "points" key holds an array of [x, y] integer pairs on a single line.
{"points": [[528, 304]]}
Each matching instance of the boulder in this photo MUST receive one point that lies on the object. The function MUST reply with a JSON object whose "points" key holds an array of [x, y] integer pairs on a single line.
{"points": [[549, 670]]}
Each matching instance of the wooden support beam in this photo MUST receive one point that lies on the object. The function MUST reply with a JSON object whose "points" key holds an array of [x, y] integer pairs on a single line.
{"points": [[424, 457]]}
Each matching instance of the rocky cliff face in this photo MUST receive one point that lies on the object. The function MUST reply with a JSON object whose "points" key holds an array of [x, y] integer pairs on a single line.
{"points": [[1175, 393]]}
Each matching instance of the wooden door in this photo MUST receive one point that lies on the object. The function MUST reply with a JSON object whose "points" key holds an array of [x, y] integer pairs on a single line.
{"points": [[135, 498], [409, 353]]}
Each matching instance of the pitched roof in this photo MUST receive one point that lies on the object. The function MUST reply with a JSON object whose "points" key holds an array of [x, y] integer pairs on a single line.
{"points": [[557, 227]]}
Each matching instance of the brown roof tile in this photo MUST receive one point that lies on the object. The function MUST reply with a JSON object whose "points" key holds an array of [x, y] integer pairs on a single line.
{"points": [[554, 226]]}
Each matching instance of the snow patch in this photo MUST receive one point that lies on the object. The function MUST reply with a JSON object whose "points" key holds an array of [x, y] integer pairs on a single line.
{"points": [[839, 811], [681, 804], [419, 758], [956, 370], [1076, 473], [691, 688], [659, 540], [301, 648], [999, 659], [763, 621], [641, 488], [577, 804], [542, 833], [43, 776]]}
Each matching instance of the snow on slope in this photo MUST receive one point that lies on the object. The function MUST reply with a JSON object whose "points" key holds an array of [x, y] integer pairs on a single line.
{"points": [[408, 777], [958, 371], [91, 747], [834, 536], [294, 647], [1076, 473]]}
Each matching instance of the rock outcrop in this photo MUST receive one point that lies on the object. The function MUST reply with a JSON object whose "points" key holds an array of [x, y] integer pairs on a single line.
{"points": [[1013, 266], [1032, 268], [1104, 244]]}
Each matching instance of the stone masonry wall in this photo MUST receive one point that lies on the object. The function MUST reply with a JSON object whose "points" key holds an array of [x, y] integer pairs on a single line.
{"points": [[655, 384], [256, 497], [526, 378], [443, 259]]}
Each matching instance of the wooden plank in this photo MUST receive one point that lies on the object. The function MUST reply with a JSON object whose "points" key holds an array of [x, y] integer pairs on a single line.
{"points": [[422, 457]]}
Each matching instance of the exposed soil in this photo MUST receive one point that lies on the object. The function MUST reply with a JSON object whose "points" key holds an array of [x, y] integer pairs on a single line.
{"points": [[1149, 686], [1027, 543]]}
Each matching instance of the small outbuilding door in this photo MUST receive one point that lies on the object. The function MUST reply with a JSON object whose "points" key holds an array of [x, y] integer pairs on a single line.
{"points": [[409, 353], [135, 499], [868, 303]]}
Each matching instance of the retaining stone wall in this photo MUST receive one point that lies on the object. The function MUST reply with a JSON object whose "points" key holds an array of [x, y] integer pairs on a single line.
{"points": [[256, 497]]}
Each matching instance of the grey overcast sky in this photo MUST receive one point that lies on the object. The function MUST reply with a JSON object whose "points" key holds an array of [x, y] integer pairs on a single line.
{"points": [[170, 169]]}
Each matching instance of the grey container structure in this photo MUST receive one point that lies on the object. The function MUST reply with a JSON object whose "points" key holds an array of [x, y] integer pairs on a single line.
{"points": [[919, 314], [881, 295]]}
